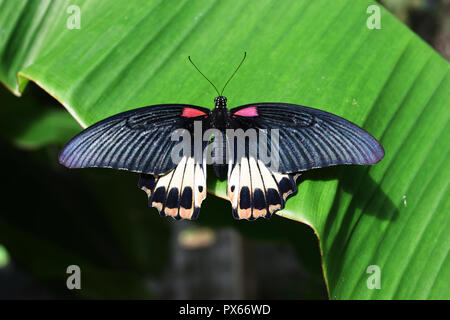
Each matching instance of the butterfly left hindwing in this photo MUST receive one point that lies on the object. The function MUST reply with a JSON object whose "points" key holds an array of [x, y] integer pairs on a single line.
{"points": [[180, 192]]}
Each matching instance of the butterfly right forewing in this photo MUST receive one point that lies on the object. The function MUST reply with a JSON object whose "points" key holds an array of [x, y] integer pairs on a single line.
{"points": [[310, 138]]}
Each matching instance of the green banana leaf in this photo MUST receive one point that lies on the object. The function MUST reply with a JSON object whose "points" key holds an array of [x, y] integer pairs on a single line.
{"points": [[388, 222], [4, 256], [32, 125]]}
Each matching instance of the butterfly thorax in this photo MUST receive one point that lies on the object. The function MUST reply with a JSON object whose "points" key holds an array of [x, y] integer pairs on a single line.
{"points": [[220, 116]]}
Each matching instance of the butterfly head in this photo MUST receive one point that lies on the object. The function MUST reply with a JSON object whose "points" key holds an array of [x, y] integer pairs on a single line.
{"points": [[220, 102]]}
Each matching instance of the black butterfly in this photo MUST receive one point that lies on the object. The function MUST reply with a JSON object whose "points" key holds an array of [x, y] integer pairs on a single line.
{"points": [[140, 140]]}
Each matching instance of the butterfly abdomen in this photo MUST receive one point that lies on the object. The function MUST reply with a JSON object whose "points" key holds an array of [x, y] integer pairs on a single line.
{"points": [[219, 157]]}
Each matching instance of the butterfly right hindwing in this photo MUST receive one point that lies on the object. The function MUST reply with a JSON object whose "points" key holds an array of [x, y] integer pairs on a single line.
{"points": [[307, 138], [254, 188], [254, 191]]}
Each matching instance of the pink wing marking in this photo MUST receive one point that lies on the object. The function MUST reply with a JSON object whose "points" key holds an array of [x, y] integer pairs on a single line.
{"points": [[247, 112], [191, 113]]}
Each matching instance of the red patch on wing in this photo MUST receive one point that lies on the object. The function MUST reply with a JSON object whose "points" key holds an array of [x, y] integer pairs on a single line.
{"points": [[191, 113], [247, 112]]}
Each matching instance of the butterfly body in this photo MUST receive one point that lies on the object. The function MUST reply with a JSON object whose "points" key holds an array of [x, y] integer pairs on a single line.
{"points": [[220, 120]]}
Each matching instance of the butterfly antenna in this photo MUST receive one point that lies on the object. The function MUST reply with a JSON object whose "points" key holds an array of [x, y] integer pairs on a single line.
{"points": [[240, 64], [189, 57]]}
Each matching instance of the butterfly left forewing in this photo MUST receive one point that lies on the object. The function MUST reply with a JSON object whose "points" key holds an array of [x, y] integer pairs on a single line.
{"points": [[138, 140]]}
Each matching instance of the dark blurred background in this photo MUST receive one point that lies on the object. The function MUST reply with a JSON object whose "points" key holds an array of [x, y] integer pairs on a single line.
{"points": [[52, 217]]}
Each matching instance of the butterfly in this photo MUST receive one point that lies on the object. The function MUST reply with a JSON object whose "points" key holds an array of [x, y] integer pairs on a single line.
{"points": [[142, 141]]}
